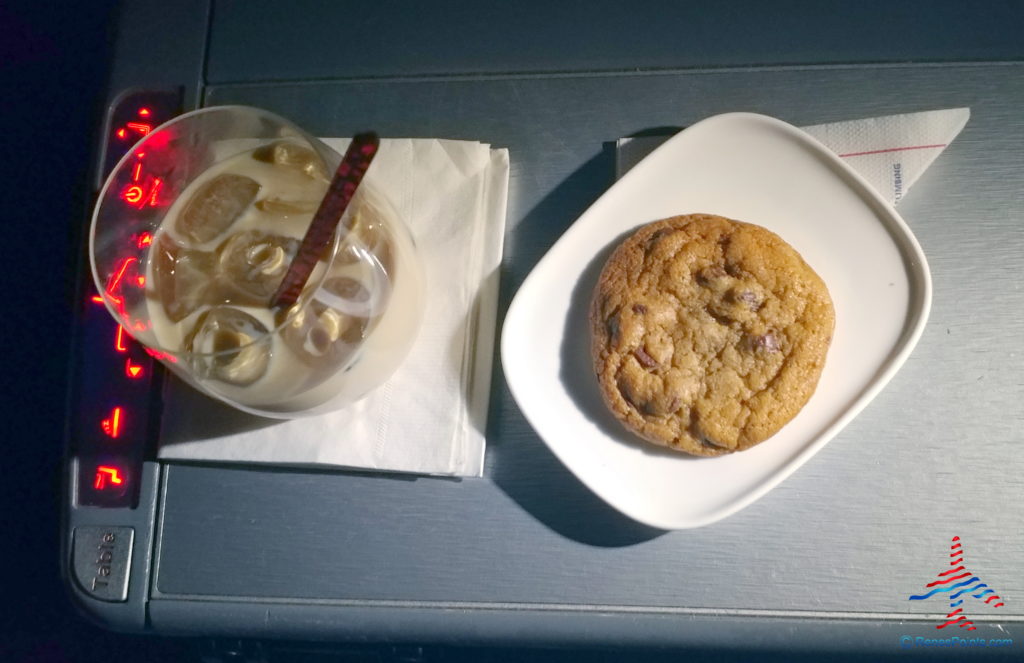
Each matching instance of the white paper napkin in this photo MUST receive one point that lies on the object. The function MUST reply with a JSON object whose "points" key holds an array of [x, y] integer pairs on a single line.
{"points": [[430, 417], [890, 152]]}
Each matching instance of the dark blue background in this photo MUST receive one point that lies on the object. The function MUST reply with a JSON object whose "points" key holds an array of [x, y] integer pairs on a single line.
{"points": [[53, 60]]}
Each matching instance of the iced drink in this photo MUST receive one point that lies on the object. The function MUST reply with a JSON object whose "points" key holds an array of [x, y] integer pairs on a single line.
{"points": [[218, 255]]}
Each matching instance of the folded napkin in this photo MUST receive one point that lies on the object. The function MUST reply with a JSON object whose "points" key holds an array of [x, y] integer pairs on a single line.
{"points": [[430, 417], [890, 152]]}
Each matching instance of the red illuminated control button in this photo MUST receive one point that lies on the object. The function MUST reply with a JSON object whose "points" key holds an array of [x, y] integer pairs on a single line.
{"points": [[114, 424], [134, 371], [133, 194], [119, 340], [139, 127], [111, 480], [140, 196]]}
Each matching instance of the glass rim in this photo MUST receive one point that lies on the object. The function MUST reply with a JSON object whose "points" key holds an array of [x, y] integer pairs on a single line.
{"points": [[293, 311]]}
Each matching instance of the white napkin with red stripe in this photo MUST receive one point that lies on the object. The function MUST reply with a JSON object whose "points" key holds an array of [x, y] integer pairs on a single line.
{"points": [[890, 152]]}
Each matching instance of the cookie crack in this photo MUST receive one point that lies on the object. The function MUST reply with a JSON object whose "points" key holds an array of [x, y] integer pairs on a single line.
{"points": [[745, 403]]}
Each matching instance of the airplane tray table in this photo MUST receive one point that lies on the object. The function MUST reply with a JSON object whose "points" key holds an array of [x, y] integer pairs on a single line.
{"points": [[527, 554]]}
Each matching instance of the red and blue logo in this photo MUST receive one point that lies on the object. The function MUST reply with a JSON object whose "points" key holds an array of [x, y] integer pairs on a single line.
{"points": [[959, 582]]}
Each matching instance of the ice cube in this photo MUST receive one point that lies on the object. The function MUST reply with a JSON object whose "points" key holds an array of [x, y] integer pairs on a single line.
{"points": [[252, 264], [367, 239], [215, 206], [351, 296], [367, 227], [348, 289], [282, 207], [182, 277], [229, 345], [323, 337], [302, 159]]}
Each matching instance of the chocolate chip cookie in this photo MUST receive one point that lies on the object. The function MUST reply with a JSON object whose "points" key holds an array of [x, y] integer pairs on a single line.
{"points": [[708, 334]]}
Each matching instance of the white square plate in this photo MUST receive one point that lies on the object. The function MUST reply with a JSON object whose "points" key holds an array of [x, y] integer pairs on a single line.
{"points": [[750, 168]]}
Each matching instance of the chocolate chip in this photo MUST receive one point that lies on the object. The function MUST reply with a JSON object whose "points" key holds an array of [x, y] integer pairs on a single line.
{"points": [[709, 275], [702, 437], [708, 442], [648, 408], [766, 342], [639, 309], [646, 360], [656, 237], [718, 316], [627, 394], [612, 326], [749, 298]]}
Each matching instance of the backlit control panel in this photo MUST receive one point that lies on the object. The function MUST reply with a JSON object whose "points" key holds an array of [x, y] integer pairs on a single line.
{"points": [[114, 420], [133, 117]]}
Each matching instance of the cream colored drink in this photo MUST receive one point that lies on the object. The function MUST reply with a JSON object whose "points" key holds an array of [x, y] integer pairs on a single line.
{"points": [[222, 251]]}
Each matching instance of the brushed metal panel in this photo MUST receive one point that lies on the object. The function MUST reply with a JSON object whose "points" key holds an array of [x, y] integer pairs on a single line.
{"points": [[858, 529], [305, 39], [628, 635]]}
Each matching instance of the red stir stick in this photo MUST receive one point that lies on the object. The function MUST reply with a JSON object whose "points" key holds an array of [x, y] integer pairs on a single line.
{"points": [[321, 229]]}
